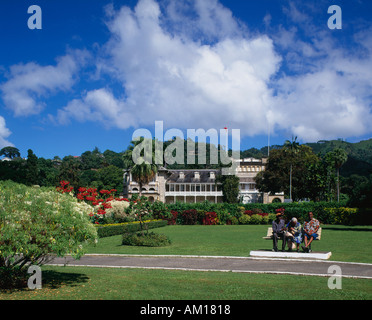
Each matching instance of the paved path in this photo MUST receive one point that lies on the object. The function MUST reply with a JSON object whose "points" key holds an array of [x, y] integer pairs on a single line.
{"points": [[224, 264]]}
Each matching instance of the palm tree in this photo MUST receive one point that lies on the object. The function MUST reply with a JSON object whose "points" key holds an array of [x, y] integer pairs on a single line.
{"points": [[142, 173], [339, 157], [292, 147]]}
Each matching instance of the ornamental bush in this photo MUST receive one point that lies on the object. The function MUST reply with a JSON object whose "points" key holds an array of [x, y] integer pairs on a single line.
{"points": [[118, 213], [189, 217], [256, 219], [344, 216], [36, 223], [245, 219], [210, 218], [145, 239]]}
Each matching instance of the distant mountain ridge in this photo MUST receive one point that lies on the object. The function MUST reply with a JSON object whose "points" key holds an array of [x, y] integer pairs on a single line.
{"points": [[359, 154]]}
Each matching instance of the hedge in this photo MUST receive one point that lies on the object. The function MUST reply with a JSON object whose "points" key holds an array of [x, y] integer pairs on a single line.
{"points": [[325, 212], [108, 230]]}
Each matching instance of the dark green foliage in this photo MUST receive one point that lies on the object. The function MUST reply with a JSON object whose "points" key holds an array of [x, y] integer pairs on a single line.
{"points": [[160, 210], [32, 173], [10, 152], [145, 239], [189, 217], [226, 212], [361, 194], [13, 278], [230, 188]]}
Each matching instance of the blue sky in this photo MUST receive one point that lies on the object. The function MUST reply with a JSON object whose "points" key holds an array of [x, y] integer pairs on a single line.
{"points": [[98, 70]]}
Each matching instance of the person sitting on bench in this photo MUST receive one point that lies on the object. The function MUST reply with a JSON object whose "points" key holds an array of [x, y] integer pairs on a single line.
{"points": [[294, 234], [278, 231], [311, 228]]}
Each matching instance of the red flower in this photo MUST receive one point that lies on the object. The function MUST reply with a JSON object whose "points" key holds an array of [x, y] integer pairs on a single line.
{"points": [[107, 205], [80, 196]]}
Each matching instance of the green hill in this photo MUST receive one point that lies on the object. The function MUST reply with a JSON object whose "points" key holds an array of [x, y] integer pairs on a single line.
{"points": [[359, 155]]}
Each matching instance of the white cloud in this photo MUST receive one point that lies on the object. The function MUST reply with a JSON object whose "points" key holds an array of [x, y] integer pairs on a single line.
{"points": [[28, 83], [4, 134], [325, 93], [192, 64], [98, 106], [321, 105], [183, 82]]}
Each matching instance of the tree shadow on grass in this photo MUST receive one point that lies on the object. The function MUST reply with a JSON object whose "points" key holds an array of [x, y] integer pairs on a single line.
{"points": [[50, 279], [54, 279]]}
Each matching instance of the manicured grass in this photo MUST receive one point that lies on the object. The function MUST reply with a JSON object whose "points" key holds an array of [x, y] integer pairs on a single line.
{"points": [[75, 283], [346, 243], [193, 240], [82, 283]]}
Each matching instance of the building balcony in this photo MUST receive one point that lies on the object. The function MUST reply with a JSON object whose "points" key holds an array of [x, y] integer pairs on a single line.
{"points": [[194, 193]]}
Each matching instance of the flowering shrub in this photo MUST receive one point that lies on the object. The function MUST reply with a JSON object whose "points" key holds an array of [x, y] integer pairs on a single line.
{"points": [[101, 201], [189, 217], [160, 210], [38, 222], [141, 208], [225, 217], [64, 187], [173, 218], [253, 212], [118, 211], [210, 218], [256, 219], [245, 219], [341, 215]]}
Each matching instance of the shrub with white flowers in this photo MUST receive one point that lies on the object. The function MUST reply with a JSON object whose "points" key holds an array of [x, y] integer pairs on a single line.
{"points": [[36, 224]]}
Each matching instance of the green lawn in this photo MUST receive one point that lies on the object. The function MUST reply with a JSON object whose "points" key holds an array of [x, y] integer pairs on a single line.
{"points": [[81, 283], [346, 243]]}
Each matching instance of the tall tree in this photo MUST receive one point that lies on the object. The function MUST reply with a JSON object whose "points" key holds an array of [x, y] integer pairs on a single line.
{"points": [[292, 147], [230, 188], [339, 157], [275, 177], [32, 173], [70, 170], [10, 152]]}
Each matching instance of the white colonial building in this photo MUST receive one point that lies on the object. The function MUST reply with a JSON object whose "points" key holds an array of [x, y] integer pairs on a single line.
{"points": [[192, 186]]}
